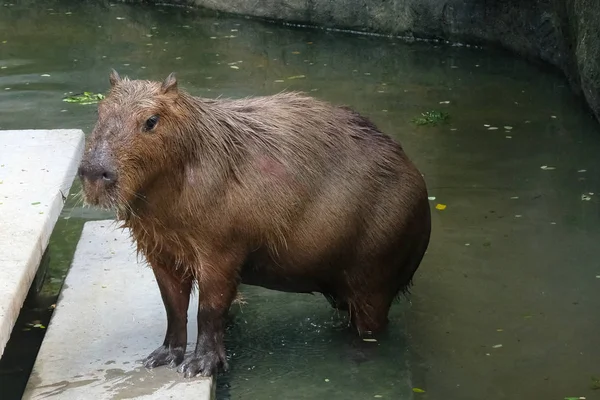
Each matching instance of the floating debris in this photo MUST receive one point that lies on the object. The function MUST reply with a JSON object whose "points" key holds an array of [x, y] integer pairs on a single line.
{"points": [[508, 128], [441, 207], [445, 102], [514, 197], [547, 168], [35, 203], [369, 340], [279, 80], [486, 125], [509, 137], [587, 197], [45, 75], [553, 116], [492, 128], [326, 380], [496, 346], [234, 67], [431, 118], [582, 171], [84, 98], [518, 216], [297, 77], [431, 198], [295, 52]]}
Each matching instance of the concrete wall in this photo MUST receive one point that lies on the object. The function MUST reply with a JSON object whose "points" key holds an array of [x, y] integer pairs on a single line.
{"points": [[564, 33]]}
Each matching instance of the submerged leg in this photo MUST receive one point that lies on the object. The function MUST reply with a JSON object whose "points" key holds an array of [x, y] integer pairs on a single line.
{"points": [[175, 288], [369, 314]]}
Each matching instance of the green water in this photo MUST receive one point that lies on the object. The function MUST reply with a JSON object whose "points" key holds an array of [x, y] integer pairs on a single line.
{"points": [[513, 259]]}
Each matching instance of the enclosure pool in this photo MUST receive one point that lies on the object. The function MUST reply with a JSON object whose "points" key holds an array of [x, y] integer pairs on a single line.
{"points": [[505, 304]]}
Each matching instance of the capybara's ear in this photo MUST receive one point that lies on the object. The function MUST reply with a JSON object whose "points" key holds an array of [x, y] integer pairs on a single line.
{"points": [[114, 77], [170, 84]]}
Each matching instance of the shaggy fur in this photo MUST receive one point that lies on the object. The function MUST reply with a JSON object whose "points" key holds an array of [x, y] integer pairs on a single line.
{"points": [[286, 192]]}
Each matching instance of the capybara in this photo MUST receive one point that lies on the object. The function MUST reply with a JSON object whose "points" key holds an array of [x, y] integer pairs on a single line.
{"points": [[286, 192]]}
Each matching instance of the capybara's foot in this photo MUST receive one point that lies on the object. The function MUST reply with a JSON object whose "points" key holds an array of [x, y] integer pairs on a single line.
{"points": [[165, 355], [203, 365]]}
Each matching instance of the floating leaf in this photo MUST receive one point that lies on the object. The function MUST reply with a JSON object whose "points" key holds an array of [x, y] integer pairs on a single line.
{"points": [[84, 98], [418, 390], [295, 52], [35, 203], [297, 77], [431, 118], [440, 207]]}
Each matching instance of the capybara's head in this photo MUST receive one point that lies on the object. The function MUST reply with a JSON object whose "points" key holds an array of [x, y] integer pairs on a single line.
{"points": [[126, 149]]}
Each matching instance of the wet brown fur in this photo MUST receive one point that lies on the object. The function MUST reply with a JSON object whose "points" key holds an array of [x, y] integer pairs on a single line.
{"points": [[286, 192]]}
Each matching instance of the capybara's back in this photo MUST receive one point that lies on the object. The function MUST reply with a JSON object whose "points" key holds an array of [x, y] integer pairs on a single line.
{"points": [[342, 209], [286, 192]]}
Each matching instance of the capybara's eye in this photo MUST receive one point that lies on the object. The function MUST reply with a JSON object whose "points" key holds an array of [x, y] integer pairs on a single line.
{"points": [[151, 123]]}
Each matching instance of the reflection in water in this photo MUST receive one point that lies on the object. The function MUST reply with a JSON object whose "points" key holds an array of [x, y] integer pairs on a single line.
{"points": [[505, 304]]}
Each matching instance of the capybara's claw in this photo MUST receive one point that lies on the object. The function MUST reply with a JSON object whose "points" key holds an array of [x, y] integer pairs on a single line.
{"points": [[164, 355], [204, 365]]}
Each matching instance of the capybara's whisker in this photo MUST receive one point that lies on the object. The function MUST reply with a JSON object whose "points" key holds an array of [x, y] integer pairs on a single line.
{"points": [[287, 192]]}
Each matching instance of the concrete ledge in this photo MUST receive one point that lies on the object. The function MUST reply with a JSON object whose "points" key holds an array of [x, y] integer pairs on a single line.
{"points": [[109, 318], [37, 168]]}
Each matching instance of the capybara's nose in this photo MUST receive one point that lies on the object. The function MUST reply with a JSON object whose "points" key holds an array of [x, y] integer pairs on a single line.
{"points": [[96, 172]]}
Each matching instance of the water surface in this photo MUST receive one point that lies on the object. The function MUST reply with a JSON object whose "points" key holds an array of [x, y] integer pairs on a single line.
{"points": [[505, 304]]}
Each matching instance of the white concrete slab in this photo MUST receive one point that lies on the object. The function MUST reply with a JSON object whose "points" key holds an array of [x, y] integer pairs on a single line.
{"points": [[36, 168], [109, 318]]}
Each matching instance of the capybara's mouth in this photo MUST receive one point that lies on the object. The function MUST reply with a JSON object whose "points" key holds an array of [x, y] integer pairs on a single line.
{"points": [[96, 194]]}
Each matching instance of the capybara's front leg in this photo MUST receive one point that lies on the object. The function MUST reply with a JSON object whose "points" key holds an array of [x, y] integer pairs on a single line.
{"points": [[216, 292], [175, 288]]}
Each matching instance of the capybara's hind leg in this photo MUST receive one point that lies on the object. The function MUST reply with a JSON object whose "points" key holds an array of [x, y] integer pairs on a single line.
{"points": [[336, 302], [369, 313], [175, 290]]}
